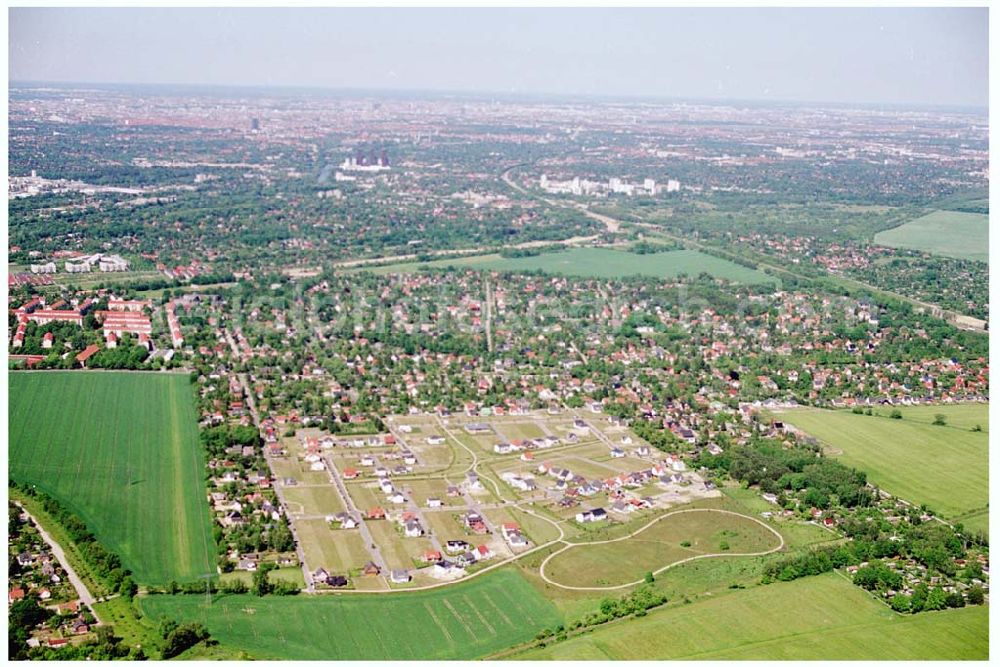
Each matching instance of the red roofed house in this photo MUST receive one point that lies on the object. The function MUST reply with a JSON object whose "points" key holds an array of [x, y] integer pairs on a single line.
{"points": [[90, 351]]}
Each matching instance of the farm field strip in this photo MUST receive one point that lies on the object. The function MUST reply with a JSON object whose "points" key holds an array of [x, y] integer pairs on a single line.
{"points": [[122, 451], [950, 233]]}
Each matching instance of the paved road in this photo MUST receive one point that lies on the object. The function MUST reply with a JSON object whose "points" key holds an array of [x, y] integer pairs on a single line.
{"points": [[81, 589]]}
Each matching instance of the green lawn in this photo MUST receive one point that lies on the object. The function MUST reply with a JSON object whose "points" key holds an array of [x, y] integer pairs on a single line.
{"points": [[458, 622], [603, 263], [625, 561], [128, 624], [944, 467], [950, 233], [816, 618], [122, 451], [292, 574]]}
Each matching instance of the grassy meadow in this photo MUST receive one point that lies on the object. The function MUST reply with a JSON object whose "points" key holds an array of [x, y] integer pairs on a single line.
{"points": [[944, 467], [601, 263], [121, 450], [464, 621], [671, 539], [815, 618], [949, 233]]}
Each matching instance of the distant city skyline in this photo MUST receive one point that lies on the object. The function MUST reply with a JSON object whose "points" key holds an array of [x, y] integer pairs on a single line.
{"points": [[906, 56]]}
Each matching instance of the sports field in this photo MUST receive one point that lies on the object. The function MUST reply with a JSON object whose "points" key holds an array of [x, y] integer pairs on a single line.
{"points": [[944, 467], [675, 537], [949, 233], [464, 621], [815, 618], [121, 450], [604, 263]]}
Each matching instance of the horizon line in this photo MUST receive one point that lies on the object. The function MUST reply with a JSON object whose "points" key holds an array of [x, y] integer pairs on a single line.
{"points": [[578, 96]]}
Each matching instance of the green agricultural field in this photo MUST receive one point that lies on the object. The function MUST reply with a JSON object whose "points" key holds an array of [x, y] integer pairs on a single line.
{"points": [[458, 622], [675, 537], [816, 618], [950, 233], [962, 415], [122, 451], [603, 263], [944, 467]]}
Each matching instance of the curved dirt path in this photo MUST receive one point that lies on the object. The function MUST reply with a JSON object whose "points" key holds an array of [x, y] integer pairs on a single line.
{"points": [[570, 545]]}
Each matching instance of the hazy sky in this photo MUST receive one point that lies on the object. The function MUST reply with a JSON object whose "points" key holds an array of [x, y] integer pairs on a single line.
{"points": [[925, 56]]}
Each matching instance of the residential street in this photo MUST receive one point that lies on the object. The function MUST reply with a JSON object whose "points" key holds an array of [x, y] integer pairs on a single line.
{"points": [[81, 589]]}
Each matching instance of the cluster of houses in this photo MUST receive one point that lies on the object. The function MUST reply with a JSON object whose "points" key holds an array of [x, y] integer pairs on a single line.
{"points": [[121, 317], [326, 441], [321, 576], [515, 382], [462, 555], [36, 573], [519, 380], [534, 443]]}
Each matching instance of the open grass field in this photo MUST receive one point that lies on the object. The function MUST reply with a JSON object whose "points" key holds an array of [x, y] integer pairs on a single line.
{"points": [[961, 415], [422, 489], [464, 621], [122, 451], [339, 551], [816, 618], [312, 500], [603, 263], [292, 574], [944, 467], [659, 545], [130, 625], [949, 233]]}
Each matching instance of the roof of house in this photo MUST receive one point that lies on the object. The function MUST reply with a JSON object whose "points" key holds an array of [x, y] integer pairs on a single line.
{"points": [[87, 353]]}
